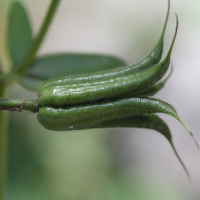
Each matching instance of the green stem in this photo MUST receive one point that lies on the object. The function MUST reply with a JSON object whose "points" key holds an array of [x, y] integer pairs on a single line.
{"points": [[19, 105], [30, 57], [3, 145]]}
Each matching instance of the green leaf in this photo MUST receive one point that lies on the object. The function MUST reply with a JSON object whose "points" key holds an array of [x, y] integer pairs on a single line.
{"points": [[53, 66], [28, 83], [20, 37], [8, 75]]}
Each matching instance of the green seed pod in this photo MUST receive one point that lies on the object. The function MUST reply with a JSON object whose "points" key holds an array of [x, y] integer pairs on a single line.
{"points": [[63, 118], [150, 91], [114, 98], [110, 99], [80, 104], [94, 91], [152, 59]]}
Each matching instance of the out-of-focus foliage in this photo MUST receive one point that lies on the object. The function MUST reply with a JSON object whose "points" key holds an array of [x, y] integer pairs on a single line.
{"points": [[20, 39], [58, 65]]}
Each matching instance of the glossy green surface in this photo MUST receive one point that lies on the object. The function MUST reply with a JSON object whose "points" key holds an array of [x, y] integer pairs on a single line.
{"points": [[152, 59], [66, 105], [92, 91], [64, 118], [149, 121], [114, 98]]}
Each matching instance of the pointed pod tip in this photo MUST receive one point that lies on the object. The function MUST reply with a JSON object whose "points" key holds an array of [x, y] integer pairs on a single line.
{"points": [[197, 145], [195, 140], [174, 38], [189, 178], [182, 163], [176, 24]]}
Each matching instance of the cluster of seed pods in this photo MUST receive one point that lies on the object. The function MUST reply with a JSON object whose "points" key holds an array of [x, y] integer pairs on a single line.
{"points": [[110, 99]]}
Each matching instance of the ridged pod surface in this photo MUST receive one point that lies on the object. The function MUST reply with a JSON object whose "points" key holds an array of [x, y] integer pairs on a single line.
{"points": [[63, 118], [114, 98], [59, 95], [153, 58]]}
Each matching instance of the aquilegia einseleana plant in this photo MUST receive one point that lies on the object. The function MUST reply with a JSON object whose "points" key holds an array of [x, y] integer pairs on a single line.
{"points": [[118, 97]]}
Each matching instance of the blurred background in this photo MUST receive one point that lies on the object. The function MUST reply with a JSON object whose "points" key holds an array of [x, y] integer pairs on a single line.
{"points": [[120, 163]]}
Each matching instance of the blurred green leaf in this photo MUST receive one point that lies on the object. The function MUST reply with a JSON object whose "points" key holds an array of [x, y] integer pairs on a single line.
{"points": [[28, 83], [53, 66], [26, 174], [20, 37], [137, 184], [8, 75]]}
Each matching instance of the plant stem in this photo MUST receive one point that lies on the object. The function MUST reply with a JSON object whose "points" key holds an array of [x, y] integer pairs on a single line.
{"points": [[19, 105], [3, 145], [30, 57]]}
